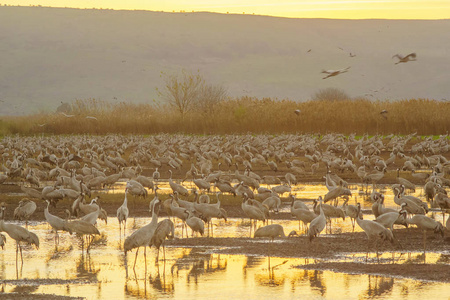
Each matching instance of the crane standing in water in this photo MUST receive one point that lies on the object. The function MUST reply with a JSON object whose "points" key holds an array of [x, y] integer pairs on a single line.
{"points": [[17, 233], [122, 214], [143, 236]]}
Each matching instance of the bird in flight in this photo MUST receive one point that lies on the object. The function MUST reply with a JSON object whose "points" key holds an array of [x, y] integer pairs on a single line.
{"points": [[297, 112], [67, 115], [383, 113], [334, 72], [404, 59]]}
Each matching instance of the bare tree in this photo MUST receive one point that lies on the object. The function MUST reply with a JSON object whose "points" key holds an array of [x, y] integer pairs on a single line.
{"points": [[181, 91], [187, 92], [330, 94], [209, 98]]}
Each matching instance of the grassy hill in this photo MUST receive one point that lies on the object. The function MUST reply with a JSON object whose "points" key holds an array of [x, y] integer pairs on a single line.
{"points": [[51, 55]]}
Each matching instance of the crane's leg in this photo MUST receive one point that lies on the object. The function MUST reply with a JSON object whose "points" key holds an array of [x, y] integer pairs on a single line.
{"points": [[17, 251], [209, 226], [368, 248], [157, 256], [164, 250], [21, 256], [90, 239], [145, 259], [135, 258], [376, 249], [424, 244]]}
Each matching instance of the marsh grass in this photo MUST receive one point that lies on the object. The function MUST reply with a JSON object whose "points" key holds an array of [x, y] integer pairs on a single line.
{"points": [[242, 115]]}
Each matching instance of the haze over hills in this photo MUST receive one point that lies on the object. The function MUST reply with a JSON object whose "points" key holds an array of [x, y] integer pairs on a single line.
{"points": [[51, 55]]}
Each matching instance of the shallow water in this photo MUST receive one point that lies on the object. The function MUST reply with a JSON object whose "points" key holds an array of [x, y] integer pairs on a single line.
{"points": [[198, 272], [193, 273]]}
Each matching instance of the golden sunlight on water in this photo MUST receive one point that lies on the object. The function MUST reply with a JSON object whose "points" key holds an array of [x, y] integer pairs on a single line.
{"points": [[199, 272], [192, 273], [305, 191]]}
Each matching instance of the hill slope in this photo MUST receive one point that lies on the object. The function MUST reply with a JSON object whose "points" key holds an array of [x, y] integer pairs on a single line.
{"points": [[51, 55]]}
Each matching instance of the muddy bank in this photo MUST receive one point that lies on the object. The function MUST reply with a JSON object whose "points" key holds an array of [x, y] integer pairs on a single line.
{"points": [[324, 249]]}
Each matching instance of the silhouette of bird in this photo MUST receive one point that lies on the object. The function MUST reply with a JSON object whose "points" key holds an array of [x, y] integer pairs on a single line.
{"points": [[196, 224], [122, 213], [83, 228], [93, 216], [332, 73], [426, 223], [252, 212], [156, 175], [318, 224], [2, 241], [55, 222], [404, 59], [270, 231], [352, 212], [25, 209], [164, 229], [19, 234], [143, 236], [67, 115], [374, 231]]}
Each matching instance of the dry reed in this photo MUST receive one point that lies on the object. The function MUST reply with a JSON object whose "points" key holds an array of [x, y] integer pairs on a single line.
{"points": [[242, 115]]}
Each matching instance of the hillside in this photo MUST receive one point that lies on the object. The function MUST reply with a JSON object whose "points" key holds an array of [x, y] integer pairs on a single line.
{"points": [[51, 55]]}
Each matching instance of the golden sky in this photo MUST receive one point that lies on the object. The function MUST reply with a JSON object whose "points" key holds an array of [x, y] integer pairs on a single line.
{"points": [[336, 9]]}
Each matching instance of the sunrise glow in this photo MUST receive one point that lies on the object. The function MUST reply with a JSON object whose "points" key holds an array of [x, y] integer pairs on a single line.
{"points": [[335, 9]]}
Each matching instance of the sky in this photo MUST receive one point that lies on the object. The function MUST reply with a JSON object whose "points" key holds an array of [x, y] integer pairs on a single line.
{"points": [[334, 9]]}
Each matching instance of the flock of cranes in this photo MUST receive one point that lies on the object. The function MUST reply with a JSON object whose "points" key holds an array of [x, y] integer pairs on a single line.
{"points": [[78, 166]]}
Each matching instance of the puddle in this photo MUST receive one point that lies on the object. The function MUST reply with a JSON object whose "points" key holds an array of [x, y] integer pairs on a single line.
{"points": [[193, 273], [199, 272]]}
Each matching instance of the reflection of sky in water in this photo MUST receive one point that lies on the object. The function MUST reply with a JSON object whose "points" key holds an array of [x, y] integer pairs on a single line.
{"points": [[308, 191], [198, 272], [193, 273]]}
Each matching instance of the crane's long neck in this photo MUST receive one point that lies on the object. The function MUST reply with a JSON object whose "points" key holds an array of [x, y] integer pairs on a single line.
{"points": [[2, 213], [196, 197], [46, 212], [155, 212], [218, 200], [125, 201], [358, 214], [321, 209]]}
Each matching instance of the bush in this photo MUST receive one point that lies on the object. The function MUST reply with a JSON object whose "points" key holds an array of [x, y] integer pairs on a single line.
{"points": [[330, 94]]}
